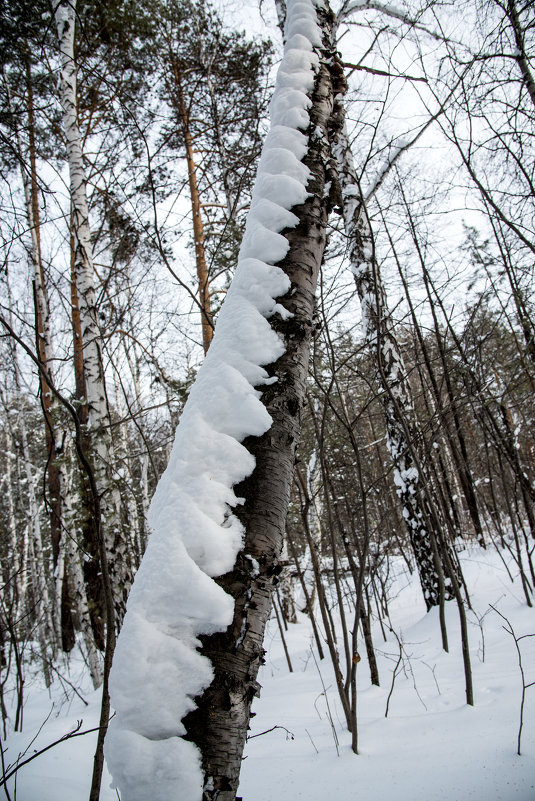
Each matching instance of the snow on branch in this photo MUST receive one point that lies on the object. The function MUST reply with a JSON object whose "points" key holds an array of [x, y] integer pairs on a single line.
{"points": [[157, 669]]}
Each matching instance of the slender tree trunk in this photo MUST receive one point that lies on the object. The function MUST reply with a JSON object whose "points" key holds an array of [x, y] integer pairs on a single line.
{"points": [[198, 230], [16, 581], [74, 562]]}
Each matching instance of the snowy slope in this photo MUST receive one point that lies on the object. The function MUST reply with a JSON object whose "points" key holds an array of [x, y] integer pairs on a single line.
{"points": [[432, 747]]}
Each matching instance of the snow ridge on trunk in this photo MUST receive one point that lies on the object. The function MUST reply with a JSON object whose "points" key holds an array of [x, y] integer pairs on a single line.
{"points": [[157, 670]]}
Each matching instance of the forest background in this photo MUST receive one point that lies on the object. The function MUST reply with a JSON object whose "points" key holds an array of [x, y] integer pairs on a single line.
{"points": [[108, 309]]}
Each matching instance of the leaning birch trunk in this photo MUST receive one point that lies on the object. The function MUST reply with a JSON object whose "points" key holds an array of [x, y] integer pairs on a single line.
{"points": [[391, 374], [99, 421], [220, 508]]}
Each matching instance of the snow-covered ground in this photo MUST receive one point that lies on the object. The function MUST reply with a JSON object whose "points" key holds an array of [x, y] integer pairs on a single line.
{"points": [[430, 747]]}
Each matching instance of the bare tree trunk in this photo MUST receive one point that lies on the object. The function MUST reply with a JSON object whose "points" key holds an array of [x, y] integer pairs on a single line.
{"points": [[198, 230], [99, 420], [17, 581], [73, 560]]}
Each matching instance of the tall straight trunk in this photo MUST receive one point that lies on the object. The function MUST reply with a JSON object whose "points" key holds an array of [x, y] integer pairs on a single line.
{"points": [[198, 230], [73, 558], [458, 452], [402, 434], [86, 522], [132, 358], [14, 582], [63, 613], [42, 318], [127, 492], [219, 724], [102, 450], [47, 633], [314, 515]]}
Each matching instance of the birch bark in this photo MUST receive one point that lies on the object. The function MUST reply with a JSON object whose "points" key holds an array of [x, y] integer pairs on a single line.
{"points": [[98, 415]]}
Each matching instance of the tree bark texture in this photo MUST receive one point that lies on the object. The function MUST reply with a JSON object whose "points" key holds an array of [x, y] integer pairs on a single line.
{"points": [[219, 725]]}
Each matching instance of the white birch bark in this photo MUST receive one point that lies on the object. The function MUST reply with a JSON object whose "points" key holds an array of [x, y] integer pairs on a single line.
{"points": [[99, 420], [73, 555], [315, 511], [125, 462], [286, 583], [134, 364], [41, 623], [37, 563], [42, 595]]}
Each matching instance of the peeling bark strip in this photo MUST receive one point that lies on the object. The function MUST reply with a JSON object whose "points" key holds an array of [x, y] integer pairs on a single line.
{"points": [[221, 506], [391, 376], [98, 416]]}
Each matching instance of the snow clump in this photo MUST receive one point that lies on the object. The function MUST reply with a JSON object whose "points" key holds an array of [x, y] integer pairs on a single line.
{"points": [[157, 669]]}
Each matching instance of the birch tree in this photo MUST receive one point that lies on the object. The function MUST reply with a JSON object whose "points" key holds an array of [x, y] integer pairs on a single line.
{"points": [[98, 413], [218, 526]]}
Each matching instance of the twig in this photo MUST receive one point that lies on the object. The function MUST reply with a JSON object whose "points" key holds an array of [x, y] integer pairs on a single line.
{"points": [[329, 714], [2, 755], [69, 736], [509, 629], [289, 734], [63, 679], [395, 673], [312, 741]]}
